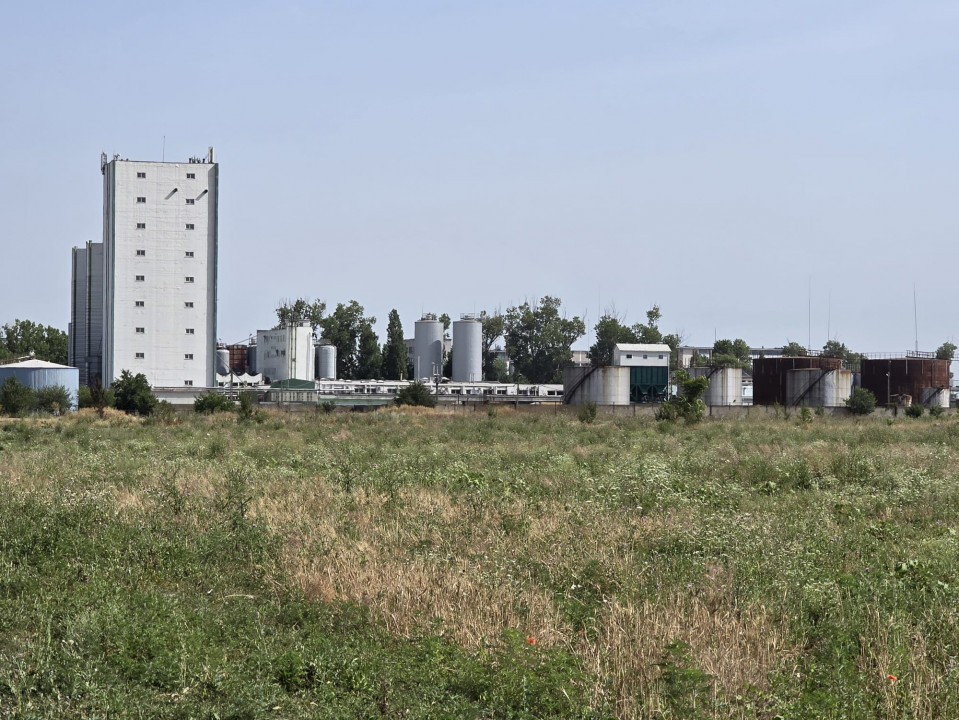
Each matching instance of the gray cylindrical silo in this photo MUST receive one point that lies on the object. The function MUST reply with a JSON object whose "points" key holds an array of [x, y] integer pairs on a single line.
{"points": [[467, 350], [251, 359], [427, 347], [222, 361], [326, 361]]}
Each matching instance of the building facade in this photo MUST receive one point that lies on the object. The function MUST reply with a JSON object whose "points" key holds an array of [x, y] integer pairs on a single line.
{"points": [[286, 353], [159, 270], [85, 332]]}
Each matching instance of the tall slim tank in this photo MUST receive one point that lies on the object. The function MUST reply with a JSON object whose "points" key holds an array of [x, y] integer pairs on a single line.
{"points": [[222, 361], [326, 360], [251, 359], [427, 347], [467, 349]]}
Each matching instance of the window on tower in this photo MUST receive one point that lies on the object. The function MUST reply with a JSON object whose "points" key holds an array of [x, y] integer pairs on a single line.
{"points": [[141, 199]]}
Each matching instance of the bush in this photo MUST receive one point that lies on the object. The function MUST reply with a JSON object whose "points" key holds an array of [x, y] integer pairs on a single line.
{"points": [[587, 412], [246, 412], [133, 394], [16, 399], [53, 399], [212, 402], [936, 410], [915, 410], [861, 402], [95, 396], [689, 403], [416, 393]]}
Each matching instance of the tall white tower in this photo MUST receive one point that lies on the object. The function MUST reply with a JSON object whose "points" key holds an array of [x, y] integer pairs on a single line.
{"points": [[159, 279]]}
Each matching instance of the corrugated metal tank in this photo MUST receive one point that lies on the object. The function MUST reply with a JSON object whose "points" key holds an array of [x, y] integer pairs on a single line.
{"points": [[39, 373], [915, 376], [238, 358], [427, 347], [222, 361], [601, 385], [725, 385], [769, 375], [934, 397], [251, 359], [467, 350], [326, 361], [815, 387]]}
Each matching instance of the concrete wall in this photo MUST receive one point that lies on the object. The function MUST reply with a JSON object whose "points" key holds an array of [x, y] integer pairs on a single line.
{"points": [[601, 385]]}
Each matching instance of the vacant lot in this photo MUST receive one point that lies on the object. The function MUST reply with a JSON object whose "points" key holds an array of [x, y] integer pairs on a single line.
{"points": [[417, 565]]}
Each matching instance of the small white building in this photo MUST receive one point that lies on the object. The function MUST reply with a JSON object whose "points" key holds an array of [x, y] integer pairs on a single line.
{"points": [[641, 355], [285, 353]]}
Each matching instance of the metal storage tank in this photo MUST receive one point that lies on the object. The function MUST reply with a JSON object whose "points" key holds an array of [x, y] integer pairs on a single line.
{"points": [[251, 359], [427, 347], [326, 360], [920, 375], [40, 373], [725, 385], [934, 397], [238, 356], [222, 361], [815, 387], [601, 385], [467, 349], [769, 375]]}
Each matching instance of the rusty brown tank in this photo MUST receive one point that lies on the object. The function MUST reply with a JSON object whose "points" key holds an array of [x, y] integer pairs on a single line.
{"points": [[889, 378], [769, 375], [238, 358]]}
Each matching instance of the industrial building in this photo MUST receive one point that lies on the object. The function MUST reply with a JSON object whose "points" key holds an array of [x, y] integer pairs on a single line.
{"points": [[286, 353], [639, 374], [38, 374], [916, 377], [158, 275]]}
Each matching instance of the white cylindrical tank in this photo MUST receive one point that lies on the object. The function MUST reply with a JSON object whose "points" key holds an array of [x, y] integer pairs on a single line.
{"points": [[601, 385], [222, 361], [725, 385], [814, 387], [326, 361], [467, 349], [427, 347], [929, 397]]}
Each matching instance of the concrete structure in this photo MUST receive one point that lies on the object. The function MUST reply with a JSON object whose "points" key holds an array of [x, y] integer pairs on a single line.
{"points": [[467, 349], [725, 385], [285, 353], [815, 387], [427, 347], [325, 361], [600, 385], [649, 369], [85, 330], [37, 374], [159, 270]]}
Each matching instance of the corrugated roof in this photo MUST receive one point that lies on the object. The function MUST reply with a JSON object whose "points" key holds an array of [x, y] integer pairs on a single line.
{"points": [[642, 347], [36, 364]]}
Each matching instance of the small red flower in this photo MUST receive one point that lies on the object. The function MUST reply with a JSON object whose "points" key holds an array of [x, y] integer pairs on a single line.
{"points": [[892, 678], [531, 640]]}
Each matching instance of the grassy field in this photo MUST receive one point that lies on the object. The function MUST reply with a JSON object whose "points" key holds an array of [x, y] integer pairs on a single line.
{"points": [[408, 564]]}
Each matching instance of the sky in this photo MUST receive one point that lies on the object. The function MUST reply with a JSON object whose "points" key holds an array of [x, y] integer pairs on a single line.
{"points": [[767, 171]]}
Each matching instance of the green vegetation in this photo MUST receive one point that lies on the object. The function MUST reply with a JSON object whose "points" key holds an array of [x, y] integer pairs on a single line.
{"points": [[408, 563], [16, 398], [538, 339], [915, 410], [794, 349], [394, 349], [416, 393], [132, 394], [861, 401], [731, 354], [688, 404], [213, 402], [610, 331], [24, 337], [357, 348], [946, 351]]}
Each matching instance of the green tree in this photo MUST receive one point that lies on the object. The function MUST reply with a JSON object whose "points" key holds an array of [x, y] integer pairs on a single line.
{"points": [[794, 349], [539, 341], [343, 328], [394, 349], [369, 359], [836, 349], [133, 394], [446, 320], [211, 402], [300, 310], [416, 393], [609, 332], [53, 399], [16, 399], [946, 351], [731, 353], [24, 337], [492, 330], [649, 333], [861, 401]]}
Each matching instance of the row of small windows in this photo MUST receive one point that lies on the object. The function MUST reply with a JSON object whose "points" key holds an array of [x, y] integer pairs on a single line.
{"points": [[189, 331], [189, 176], [143, 226], [140, 303], [188, 278], [187, 253]]}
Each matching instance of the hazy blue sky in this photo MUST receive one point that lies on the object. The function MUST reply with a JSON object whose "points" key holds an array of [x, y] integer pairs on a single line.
{"points": [[452, 157]]}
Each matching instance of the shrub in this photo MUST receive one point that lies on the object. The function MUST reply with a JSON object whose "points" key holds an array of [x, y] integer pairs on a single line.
{"points": [[95, 396], [587, 412], [16, 398], [416, 393], [861, 402], [246, 412], [915, 410], [133, 394], [689, 403], [53, 399], [936, 410], [212, 402]]}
